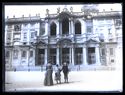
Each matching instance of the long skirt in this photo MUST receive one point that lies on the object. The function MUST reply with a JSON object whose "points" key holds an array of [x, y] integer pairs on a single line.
{"points": [[48, 78]]}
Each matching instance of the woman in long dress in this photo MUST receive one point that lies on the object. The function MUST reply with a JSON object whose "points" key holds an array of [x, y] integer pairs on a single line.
{"points": [[48, 75]]}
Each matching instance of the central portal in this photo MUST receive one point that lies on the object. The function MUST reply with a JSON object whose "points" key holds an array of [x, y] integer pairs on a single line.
{"points": [[91, 55], [65, 55]]}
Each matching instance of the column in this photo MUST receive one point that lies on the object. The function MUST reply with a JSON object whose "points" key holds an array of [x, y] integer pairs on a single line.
{"points": [[20, 55], [60, 27], [70, 32], [46, 28], [46, 57], [84, 56], [11, 58], [72, 55], [72, 28], [28, 56], [28, 36], [57, 29], [36, 55], [97, 56], [57, 55]]}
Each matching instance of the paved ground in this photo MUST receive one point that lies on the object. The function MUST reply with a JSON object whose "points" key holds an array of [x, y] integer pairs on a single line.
{"points": [[78, 81]]}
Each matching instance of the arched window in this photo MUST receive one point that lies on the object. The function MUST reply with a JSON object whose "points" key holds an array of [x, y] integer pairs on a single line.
{"points": [[53, 29], [77, 27], [65, 26]]}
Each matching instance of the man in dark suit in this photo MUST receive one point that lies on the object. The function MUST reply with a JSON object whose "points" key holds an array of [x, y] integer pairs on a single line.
{"points": [[65, 71]]}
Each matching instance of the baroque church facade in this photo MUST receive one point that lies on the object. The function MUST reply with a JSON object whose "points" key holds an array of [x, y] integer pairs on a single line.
{"points": [[83, 40]]}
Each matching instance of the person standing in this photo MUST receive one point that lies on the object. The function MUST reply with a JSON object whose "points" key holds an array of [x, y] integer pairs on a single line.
{"points": [[58, 74], [65, 71], [48, 81]]}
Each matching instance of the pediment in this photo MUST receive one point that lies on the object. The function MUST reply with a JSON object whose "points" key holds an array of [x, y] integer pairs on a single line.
{"points": [[91, 41], [64, 41], [41, 43]]}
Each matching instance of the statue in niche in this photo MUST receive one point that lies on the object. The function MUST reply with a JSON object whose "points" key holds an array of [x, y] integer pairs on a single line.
{"points": [[58, 10], [71, 9], [47, 11]]}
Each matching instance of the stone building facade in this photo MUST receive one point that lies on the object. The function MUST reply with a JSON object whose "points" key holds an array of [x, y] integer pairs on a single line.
{"points": [[83, 40]]}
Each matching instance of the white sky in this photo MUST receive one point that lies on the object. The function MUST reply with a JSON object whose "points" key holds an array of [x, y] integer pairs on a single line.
{"points": [[19, 10]]}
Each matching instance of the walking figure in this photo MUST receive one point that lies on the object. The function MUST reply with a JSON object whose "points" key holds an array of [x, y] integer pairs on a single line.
{"points": [[58, 74], [65, 71]]}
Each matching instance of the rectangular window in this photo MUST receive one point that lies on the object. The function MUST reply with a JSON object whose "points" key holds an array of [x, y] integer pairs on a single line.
{"points": [[111, 51], [15, 54], [7, 54], [9, 26], [109, 31], [31, 53], [23, 53], [32, 34], [17, 27], [89, 29], [25, 35], [8, 36], [103, 52], [118, 22]]}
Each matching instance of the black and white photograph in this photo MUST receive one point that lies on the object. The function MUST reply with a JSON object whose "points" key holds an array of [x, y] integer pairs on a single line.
{"points": [[63, 48]]}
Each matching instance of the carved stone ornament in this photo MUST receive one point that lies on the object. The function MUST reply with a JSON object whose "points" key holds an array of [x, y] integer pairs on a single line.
{"points": [[47, 11], [58, 10]]}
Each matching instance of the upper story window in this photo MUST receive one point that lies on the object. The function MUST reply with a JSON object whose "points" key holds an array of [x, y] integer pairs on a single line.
{"points": [[7, 54], [25, 35], [65, 26], [32, 34], [23, 53], [8, 36], [118, 22], [9, 26], [89, 26], [109, 31], [53, 29], [15, 54], [17, 27], [89, 29], [103, 52], [89, 22], [77, 27], [111, 51], [31, 53], [42, 29]]}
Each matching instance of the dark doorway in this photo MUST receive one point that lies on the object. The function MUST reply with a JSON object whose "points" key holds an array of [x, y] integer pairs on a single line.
{"points": [[91, 55], [78, 56], [41, 53], [65, 55], [53, 56]]}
